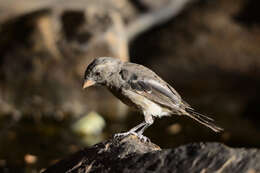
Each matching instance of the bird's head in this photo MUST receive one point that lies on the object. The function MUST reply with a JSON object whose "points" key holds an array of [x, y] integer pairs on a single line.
{"points": [[100, 70]]}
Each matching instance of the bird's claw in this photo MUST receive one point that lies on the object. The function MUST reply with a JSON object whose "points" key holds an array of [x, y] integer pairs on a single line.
{"points": [[141, 137]]}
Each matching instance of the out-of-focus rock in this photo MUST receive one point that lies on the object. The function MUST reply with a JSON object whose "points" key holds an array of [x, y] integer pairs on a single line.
{"points": [[90, 124], [55, 42], [42, 65]]}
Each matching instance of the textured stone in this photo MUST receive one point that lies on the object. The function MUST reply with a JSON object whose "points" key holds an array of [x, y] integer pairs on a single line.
{"points": [[129, 154]]}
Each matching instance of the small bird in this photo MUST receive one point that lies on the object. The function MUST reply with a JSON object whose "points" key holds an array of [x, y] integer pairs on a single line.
{"points": [[139, 87]]}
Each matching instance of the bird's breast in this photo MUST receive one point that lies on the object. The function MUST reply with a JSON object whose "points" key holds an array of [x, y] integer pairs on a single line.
{"points": [[124, 98]]}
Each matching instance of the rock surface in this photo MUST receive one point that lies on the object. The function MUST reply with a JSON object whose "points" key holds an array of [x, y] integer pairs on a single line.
{"points": [[129, 154]]}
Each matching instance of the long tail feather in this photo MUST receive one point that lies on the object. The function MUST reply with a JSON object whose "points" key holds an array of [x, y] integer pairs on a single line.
{"points": [[207, 121]]}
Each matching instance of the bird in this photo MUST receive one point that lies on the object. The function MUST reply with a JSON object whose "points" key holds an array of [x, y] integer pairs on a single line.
{"points": [[139, 87]]}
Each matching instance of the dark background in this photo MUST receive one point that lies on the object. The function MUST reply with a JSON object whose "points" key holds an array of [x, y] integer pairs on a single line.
{"points": [[209, 53]]}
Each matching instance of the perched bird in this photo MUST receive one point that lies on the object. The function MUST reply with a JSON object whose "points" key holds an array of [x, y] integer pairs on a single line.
{"points": [[139, 87]]}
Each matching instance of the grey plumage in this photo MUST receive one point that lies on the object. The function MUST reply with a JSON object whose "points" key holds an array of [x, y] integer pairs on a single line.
{"points": [[141, 88]]}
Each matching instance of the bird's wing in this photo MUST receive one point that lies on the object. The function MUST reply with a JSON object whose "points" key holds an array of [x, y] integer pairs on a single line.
{"points": [[145, 82], [155, 92]]}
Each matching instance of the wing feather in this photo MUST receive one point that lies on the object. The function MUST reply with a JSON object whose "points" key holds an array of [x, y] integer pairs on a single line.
{"points": [[145, 82], [156, 93]]}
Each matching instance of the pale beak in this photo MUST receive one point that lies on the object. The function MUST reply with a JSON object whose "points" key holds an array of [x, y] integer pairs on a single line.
{"points": [[88, 83]]}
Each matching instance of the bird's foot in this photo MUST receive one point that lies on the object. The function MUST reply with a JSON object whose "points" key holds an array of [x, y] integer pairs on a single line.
{"points": [[140, 136], [143, 138]]}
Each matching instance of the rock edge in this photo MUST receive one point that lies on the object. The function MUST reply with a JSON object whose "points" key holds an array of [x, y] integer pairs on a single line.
{"points": [[129, 154]]}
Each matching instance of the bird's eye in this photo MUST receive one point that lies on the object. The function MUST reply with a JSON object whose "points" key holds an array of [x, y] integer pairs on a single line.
{"points": [[97, 73]]}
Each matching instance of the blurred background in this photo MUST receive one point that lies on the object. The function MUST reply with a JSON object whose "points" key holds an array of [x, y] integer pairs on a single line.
{"points": [[208, 50]]}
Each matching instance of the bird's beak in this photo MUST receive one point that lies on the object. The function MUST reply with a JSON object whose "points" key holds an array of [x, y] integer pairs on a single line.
{"points": [[87, 83]]}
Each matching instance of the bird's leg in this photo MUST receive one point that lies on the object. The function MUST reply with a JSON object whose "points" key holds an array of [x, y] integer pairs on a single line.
{"points": [[140, 128], [132, 131], [141, 131], [148, 122]]}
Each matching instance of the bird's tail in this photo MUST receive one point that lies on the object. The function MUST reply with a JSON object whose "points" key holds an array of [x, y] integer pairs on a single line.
{"points": [[207, 121]]}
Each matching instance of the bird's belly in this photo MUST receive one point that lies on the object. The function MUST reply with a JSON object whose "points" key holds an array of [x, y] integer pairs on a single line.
{"points": [[143, 104], [154, 109]]}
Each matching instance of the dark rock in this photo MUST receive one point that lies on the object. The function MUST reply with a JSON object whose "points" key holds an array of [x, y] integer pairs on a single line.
{"points": [[129, 154]]}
